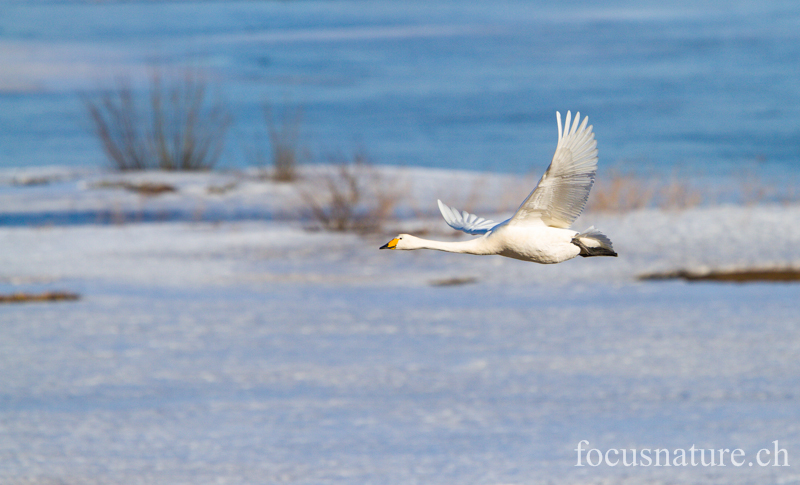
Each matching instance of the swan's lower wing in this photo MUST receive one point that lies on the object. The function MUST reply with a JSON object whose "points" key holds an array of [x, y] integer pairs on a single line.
{"points": [[563, 190], [464, 221]]}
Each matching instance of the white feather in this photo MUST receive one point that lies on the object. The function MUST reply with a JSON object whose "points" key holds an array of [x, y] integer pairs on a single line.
{"points": [[562, 192], [464, 221]]}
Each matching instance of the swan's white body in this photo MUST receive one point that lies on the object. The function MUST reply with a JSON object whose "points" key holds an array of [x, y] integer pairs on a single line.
{"points": [[539, 230], [541, 245]]}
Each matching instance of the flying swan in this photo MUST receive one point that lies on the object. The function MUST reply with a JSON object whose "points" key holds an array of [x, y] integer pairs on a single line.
{"points": [[539, 230]]}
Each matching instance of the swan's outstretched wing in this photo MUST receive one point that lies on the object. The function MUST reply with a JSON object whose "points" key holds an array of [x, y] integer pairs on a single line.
{"points": [[464, 221], [561, 194]]}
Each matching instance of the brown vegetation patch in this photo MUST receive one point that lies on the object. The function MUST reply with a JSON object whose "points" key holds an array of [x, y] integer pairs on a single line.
{"points": [[22, 297], [744, 275], [222, 189], [457, 281], [150, 188], [143, 188]]}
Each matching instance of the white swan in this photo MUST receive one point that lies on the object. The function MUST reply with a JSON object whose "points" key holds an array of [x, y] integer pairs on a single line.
{"points": [[539, 230]]}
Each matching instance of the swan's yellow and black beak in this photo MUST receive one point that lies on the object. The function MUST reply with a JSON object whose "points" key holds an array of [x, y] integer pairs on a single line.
{"points": [[390, 245]]}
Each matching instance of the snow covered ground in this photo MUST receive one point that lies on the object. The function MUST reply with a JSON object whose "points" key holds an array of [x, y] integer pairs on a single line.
{"points": [[219, 341]]}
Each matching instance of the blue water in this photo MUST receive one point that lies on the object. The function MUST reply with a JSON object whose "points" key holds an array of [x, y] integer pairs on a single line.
{"points": [[678, 87]]}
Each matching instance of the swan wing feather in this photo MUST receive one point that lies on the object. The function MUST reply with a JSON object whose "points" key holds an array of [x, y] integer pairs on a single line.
{"points": [[464, 221], [561, 194]]}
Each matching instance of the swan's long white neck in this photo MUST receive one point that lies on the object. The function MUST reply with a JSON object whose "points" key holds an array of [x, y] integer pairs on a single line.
{"points": [[473, 246]]}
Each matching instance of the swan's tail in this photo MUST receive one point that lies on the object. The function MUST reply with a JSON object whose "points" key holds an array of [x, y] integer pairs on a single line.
{"points": [[593, 243]]}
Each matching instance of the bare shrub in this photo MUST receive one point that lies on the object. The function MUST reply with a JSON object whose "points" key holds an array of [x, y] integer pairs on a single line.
{"points": [[678, 195], [285, 150], [620, 193], [173, 126], [284, 137], [351, 196], [752, 190], [118, 125]]}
